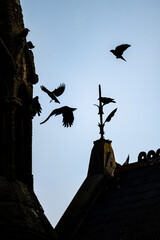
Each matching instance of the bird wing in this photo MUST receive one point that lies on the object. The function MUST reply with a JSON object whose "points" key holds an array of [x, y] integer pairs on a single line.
{"points": [[121, 48], [68, 118], [58, 91], [44, 89], [110, 115], [54, 112]]}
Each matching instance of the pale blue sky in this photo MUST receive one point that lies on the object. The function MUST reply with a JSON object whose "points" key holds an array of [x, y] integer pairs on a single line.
{"points": [[72, 41]]}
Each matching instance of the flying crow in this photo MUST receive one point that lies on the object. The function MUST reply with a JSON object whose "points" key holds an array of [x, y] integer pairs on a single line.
{"points": [[24, 33], [67, 114], [55, 93], [30, 45], [119, 50], [106, 100]]}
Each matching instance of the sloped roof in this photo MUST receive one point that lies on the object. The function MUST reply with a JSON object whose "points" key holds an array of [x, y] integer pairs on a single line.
{"points": [[125, 206], [21, 215], [78, 208]]}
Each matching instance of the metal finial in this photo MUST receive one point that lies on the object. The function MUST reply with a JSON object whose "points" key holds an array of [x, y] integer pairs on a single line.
{"points": [[101, 125], [103, 101]]}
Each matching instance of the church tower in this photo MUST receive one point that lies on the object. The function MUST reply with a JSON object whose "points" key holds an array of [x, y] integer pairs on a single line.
{"points": [[17, 77], [21, 215]]}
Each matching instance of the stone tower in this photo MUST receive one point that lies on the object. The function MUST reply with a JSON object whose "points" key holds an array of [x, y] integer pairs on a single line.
{"points": [[17, 77], [21, 215]]}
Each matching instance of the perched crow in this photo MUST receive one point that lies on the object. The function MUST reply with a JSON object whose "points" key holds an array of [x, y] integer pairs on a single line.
{"points": [[36, 105], [55, 93], [67, 114], [106, 100], [110, 115], [119, 50], [30, 45], [24, 33]]}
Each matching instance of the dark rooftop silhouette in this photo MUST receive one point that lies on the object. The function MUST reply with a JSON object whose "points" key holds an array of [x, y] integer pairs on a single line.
{"points": [[124, 205]]}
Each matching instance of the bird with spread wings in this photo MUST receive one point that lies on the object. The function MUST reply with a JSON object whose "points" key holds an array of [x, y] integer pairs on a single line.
{"points": [[67, 114], [55, 93], [118, 51]]}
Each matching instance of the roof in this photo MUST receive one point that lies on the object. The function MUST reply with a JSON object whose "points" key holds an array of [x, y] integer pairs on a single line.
{"points": [[123, 206], [21, 215]]}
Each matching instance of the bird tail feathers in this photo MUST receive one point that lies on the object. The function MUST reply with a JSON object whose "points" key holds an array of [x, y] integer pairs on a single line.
{"points": [[123, 58]]}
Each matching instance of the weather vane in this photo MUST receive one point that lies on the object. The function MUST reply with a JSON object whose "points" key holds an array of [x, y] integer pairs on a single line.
{"points": [[103, 101]]}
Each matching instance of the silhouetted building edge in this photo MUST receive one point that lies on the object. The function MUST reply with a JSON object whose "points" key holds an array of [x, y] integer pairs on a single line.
{"points": [[123, 205], [21, 215]]}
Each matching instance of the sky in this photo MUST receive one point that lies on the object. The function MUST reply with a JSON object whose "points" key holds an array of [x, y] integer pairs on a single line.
{"points": [[73, 39]]}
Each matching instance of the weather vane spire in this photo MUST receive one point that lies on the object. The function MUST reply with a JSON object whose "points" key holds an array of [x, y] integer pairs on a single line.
{"points": [[101, 125], [103, 101]]}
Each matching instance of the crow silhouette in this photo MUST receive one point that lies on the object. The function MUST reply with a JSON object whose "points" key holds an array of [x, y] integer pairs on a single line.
{"points": [[119, 50], [67, 114], [106, 100], [30, 45], [55, 93], [24, 33], [36, 105], [110, 115]]}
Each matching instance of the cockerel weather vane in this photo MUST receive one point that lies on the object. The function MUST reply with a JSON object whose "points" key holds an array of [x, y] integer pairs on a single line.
{"points": [[103, 101]]}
